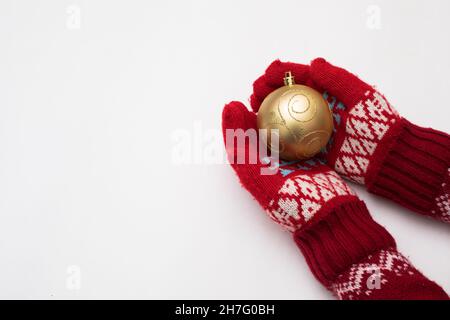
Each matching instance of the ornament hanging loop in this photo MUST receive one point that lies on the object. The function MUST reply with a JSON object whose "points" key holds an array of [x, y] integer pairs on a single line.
{"points": [[288, 79]]}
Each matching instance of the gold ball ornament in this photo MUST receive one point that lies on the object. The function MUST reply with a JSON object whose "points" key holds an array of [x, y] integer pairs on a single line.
{"points": [[302, 117]]}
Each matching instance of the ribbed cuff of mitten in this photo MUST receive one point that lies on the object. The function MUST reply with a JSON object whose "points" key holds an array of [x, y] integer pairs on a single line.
{"points": [[355, 258], [345, 236], [415, 171]]}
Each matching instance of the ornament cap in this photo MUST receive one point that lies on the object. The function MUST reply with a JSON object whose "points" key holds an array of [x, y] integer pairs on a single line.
{"points": [[288, 79]]}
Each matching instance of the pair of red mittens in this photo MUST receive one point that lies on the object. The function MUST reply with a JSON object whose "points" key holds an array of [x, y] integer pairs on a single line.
{"points": [[347, 251]]}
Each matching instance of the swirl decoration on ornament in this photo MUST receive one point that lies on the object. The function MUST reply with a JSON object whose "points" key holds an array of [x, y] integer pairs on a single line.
{"points": [[313, 142], [299, 106]]}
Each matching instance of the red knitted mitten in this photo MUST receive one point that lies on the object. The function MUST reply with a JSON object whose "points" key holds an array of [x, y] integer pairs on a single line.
{"points": [[347, 251], [372, 144]]}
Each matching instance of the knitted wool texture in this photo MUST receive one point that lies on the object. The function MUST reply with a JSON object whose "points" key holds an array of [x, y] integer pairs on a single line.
{"points": [[347, 251], [372, 144]]}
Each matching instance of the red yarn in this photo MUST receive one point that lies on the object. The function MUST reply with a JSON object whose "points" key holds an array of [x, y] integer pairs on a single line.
{"points": [[355, 257], [330, 224], [372, 144], [415, 171]]}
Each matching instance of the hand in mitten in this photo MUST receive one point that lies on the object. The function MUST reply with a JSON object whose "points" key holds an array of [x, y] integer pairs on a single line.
{"points": [[372, 144], [347, 251]]}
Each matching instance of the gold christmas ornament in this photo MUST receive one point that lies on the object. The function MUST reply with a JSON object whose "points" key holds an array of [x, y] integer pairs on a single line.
{"points": [[301, 115]]}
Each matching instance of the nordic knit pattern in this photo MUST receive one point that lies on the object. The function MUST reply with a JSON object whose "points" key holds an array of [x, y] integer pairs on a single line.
{"points": [[372, 145], [374, 272], [330, 225], [381, 272], [442, 206], [366, 126], [303, 195]]}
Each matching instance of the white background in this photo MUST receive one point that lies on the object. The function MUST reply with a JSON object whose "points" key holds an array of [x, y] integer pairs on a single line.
{"points": [[92, 204]]}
